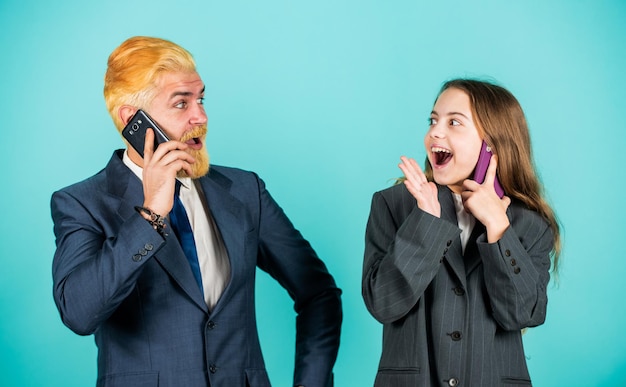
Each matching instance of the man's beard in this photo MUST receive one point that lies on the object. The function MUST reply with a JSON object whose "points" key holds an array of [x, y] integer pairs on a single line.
{"points": [[201, 166]]}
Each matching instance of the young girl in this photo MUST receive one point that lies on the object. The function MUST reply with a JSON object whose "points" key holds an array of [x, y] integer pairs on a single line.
{"points": [[453, 271]]}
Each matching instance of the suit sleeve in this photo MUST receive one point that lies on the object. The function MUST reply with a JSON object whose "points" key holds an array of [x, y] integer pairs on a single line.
{"points": [[290, 259], [402, 255], [94, 269], [517, 271]]}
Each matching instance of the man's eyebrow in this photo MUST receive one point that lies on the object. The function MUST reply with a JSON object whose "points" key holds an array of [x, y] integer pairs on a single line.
{"points": [[185, 93]]}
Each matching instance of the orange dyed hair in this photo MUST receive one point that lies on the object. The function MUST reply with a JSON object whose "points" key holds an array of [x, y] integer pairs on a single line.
{"points": [[134, 69]]}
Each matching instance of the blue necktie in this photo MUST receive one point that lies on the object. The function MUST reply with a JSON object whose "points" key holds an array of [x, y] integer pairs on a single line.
{"points": [[182, 229]]}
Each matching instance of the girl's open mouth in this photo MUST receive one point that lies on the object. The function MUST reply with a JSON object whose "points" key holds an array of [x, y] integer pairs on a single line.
{"points": [[440, 156]]}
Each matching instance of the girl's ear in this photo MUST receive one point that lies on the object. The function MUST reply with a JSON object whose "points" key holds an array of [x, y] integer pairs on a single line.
{"points": [[126, 112]]}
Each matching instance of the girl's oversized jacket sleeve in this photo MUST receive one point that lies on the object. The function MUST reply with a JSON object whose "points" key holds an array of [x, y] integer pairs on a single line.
{"points": [[405, 248]]}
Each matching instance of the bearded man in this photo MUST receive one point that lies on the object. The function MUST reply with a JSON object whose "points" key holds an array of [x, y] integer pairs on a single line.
{"points": [[162, 314]]}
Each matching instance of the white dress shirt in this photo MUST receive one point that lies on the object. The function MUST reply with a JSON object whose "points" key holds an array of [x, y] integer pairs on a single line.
{"points": [[212, 254], [465, 219]]}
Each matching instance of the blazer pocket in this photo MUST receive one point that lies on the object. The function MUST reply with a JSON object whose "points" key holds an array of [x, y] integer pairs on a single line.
{"points": [[400, 376], [515, 382], [137, 379], [399, 370], [257, 378]]}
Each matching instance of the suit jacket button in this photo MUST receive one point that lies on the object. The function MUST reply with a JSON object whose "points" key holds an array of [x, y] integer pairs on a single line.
{"points": [[137, 257], [517, 270], [459, 291], [212, 368], [148, 246], [507, 253], [456, 336], [453, 382], [211, 324]]}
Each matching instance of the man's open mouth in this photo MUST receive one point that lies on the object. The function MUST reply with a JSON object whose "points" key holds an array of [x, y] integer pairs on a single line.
{"points": [[194, 143]]}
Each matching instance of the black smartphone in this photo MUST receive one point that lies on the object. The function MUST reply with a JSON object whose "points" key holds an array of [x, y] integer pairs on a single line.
{"points": [[135, 131], [480, 171]]}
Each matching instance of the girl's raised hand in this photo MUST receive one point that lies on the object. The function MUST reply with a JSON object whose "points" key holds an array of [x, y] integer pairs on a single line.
{"points": [[482, 201], [423, 191]]}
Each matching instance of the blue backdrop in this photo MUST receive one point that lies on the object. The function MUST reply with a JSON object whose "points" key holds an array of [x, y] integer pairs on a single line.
{"points": [[321, 98]]}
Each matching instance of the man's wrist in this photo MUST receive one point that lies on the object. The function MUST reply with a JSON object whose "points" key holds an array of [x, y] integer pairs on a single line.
{"points": [[156, 221]]}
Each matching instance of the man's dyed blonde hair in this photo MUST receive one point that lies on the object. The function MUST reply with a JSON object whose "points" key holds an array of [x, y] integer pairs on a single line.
{"points": [[134, 69]]}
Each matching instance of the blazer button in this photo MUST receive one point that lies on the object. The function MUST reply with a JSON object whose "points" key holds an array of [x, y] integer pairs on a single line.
{"points": [[507, 252], [148, 246], [453, 382], [211, 324], [137, 257], [448, 243], [212, 368], [456, 336], [459, 291], [517, 270], [513, 262]]}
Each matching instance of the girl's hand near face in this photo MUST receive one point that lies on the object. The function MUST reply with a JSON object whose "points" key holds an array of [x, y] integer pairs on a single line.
{"points": [[482, 201], [423, 191]]}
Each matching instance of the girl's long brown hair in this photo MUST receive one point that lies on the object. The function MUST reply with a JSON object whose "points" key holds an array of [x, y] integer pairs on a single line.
{"points": [[502, 124]]}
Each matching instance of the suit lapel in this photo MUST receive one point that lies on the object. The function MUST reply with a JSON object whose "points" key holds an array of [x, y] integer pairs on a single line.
{"points": [[472, 256], [227, 214], [128, 188], [454, 256]]}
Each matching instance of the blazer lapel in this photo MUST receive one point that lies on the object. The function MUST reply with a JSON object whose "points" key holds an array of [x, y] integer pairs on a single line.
{"points": [[123, 184], [472, 256], [228, 215], [454, 255]]}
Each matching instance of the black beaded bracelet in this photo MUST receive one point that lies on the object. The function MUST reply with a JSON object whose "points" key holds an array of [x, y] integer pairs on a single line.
{"points": [[156, 221]]}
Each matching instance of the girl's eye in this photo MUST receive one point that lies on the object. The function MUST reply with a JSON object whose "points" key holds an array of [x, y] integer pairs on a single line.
{"points": [[454, 123], [432, 121], [181, 105], [200, 101]]}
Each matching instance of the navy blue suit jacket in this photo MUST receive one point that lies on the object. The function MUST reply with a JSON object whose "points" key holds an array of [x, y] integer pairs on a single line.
{"points": [[117, 278]]}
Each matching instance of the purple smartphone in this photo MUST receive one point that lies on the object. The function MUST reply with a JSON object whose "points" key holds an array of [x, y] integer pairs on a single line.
{"points": [[481, 169]]}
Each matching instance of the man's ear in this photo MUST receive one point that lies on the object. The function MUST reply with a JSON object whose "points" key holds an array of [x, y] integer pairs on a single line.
{"points": [[126, 112]]}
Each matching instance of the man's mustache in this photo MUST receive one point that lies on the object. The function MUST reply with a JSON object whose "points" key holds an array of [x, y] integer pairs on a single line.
{"points": [[196, 132]]}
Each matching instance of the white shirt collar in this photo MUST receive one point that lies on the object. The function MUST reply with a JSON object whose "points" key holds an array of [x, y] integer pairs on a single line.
{"points": [[138, 171]]}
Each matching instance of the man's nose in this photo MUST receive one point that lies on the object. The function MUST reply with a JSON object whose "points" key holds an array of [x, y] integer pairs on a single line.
{"points": [[199, 116]]}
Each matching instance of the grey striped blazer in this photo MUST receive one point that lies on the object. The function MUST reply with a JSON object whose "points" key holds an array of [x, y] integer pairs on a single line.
{"points": [[452, 319]]}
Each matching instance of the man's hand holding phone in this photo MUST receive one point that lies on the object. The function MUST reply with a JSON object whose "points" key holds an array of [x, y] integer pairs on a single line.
{"points": [[162, 160], [160, 167]]}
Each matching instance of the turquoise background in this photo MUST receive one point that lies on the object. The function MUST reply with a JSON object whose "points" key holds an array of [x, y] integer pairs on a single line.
{"points": [[321, 99]]}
